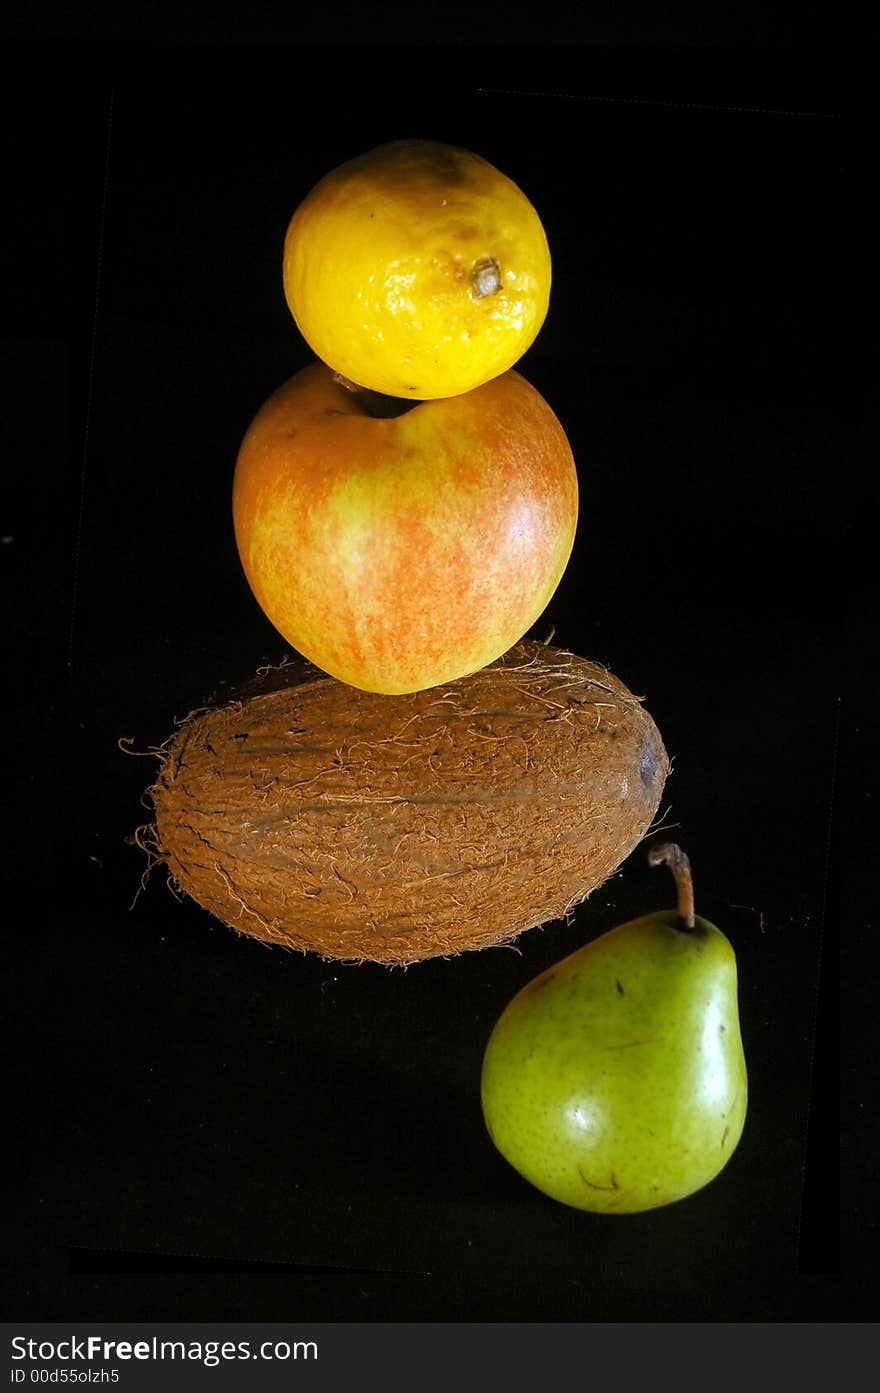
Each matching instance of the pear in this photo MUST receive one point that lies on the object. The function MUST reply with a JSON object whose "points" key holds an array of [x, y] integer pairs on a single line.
{"points": [[616, 1080]]}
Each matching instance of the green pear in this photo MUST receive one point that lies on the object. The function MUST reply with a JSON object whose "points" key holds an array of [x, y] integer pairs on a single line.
{"points": [[616, 1080]]}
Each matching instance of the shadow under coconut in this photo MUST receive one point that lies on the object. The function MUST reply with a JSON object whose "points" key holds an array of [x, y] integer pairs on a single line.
{"points": [[353, 1164], [363, 1127]]}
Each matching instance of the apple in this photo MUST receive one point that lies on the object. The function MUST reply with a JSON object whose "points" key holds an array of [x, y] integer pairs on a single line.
{"points": [[400, 551]]}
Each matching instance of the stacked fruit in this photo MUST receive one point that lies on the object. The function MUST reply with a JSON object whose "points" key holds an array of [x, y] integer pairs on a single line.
{"points": [[404, 509]]}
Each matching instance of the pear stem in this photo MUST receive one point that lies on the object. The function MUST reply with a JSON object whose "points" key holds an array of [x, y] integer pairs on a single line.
{"points": [[680, 865]]}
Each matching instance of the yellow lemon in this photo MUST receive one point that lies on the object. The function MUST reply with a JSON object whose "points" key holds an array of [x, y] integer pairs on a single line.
{"points": [[418, 270]]}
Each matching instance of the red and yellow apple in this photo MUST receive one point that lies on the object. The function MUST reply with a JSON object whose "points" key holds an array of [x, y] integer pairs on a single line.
{"points": [[397, 552]]}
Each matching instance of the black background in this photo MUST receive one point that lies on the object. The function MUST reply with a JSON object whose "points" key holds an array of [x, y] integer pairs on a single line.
{"points": [[207, 1128]]}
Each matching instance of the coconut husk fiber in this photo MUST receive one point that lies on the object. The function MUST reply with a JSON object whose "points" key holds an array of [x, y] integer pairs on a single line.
{"points": [[391, 829]]}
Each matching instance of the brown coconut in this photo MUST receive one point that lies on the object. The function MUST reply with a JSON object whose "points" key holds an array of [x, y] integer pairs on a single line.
{"points": [[396, 828]]}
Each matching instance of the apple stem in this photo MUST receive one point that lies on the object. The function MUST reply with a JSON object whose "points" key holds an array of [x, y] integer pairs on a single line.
{"points": [[680, 865], [346, 382], [375, 404]]}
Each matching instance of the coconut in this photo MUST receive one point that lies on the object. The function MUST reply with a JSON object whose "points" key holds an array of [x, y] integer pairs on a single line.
{"points": [[391, 829]]}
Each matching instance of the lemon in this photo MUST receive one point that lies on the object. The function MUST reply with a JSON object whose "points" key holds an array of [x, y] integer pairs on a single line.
{"points": [[417, 270]]}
